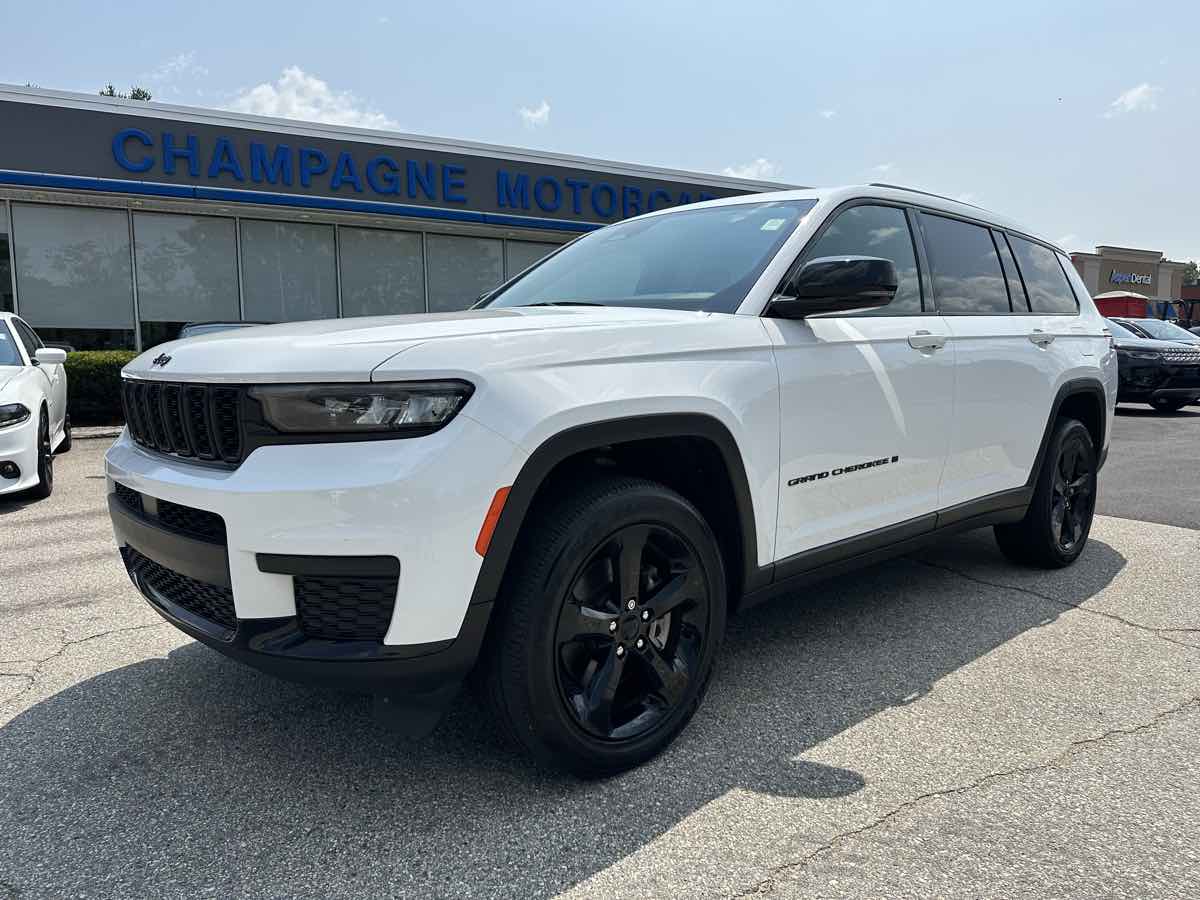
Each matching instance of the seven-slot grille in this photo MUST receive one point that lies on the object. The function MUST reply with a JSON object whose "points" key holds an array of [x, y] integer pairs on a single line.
{"points": [[198, 421]]}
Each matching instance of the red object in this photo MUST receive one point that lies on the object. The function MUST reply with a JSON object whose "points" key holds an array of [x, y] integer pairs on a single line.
{"points": [[1130, 307]]}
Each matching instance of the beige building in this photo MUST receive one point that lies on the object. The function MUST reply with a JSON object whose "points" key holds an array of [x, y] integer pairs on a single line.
{"points": [[1124, 269]]}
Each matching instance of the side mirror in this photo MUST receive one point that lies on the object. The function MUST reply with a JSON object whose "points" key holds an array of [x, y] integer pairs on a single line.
{"points": [[837, 284], [50, 356]]}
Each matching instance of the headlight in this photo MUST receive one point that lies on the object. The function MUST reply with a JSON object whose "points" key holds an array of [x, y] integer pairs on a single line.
{"points": [[402, 408], [13, 414], [1140, 354]]}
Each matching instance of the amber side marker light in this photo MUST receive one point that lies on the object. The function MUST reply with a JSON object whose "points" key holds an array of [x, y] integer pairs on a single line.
{"points": [[489, 521]]}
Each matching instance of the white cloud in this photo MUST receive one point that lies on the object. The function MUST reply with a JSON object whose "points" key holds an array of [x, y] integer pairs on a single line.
{"points": [[1067, 240], [535, 118], [758, 170], [1143, 98], [298, 95], [168, 75], [827, 113], [383, 20], [883, 168]]}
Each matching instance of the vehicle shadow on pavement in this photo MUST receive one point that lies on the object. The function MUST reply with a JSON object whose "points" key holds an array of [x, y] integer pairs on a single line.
{"points": [[192, 774]]}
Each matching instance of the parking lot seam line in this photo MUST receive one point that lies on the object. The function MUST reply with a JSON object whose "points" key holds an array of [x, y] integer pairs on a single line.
{"points": [[1160, 633], [767, 885]]}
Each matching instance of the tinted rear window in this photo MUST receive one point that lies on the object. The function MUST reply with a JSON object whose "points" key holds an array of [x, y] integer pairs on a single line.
{"points": [[1047, 285], [967, 278]]}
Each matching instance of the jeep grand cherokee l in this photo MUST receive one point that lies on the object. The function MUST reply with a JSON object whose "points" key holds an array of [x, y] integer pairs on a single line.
{"points": [[565, 491]]}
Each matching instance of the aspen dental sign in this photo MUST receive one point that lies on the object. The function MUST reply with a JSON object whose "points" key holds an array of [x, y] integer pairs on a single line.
{"points": [[1116, 277]]}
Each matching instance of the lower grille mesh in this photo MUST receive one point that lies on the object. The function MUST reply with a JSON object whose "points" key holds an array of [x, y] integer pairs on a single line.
{"points": [[209, 601], [345, 608]]}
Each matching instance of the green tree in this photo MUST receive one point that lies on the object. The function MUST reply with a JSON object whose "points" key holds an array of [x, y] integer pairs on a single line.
{"points": [[1191, 275], [135, 93]]}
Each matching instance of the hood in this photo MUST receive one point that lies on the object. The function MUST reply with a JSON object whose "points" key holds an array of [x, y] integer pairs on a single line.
{"points": [[1127, 341], [349, 349]]}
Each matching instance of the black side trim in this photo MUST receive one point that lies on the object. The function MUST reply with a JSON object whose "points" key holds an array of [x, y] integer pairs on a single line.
{"points": [[884, 543], [362, 566], [602, 434], [201, 560]]}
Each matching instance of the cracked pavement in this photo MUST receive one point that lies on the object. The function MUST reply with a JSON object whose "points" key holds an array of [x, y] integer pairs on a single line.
{"points": [[945, 724]]}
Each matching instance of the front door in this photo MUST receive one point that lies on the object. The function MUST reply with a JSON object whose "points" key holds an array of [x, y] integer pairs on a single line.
{"points": [[866, 399]]}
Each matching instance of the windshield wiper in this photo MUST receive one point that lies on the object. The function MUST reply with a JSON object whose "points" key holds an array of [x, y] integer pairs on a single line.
{"points": [[564, 303]]}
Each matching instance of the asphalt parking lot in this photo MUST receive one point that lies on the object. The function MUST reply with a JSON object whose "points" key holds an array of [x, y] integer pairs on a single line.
{"points": [[944, 724]]}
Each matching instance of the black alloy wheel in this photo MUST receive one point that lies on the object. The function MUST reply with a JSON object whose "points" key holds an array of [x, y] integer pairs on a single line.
{"points": [[45, 461], [630, 632], [1074, 493], [607, 627], [1057, 523]]}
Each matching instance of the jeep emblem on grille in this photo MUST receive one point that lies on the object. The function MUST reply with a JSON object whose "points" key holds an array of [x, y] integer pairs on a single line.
{"points": [[161, 360]]}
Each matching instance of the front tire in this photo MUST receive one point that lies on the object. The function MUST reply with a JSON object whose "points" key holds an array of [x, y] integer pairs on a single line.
{"points": [[1059, 519], [45, 461], [608, 626]]}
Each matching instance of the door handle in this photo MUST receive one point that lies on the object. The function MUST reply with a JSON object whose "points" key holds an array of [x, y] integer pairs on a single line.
{"points": [[1040, 337], [926, 340]]}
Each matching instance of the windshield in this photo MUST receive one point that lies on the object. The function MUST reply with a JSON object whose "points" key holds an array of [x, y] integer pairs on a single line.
{"points": [[9, 355], [1165, 331], [694, 259]]}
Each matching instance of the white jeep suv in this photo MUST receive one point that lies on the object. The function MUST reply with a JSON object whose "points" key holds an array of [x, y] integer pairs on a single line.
{"points": [[565, 490]]}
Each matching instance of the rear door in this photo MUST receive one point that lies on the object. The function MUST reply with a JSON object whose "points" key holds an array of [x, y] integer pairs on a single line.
{"points": [[1005, 371], [865, 397]]}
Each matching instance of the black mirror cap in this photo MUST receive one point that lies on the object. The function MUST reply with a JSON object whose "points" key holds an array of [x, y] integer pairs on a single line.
{"points": [[837, 284]]}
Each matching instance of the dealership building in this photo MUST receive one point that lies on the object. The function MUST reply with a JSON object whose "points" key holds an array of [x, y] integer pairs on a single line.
{"points": [[120, 221], [1122, 269]]}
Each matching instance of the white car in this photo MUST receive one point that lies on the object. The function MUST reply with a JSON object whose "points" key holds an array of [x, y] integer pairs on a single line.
{"points": [[567, 489], [34, 424]]}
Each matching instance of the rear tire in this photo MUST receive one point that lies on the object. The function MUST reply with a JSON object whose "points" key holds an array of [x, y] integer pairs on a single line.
{"points": [[1056, 526], [607, 627], [1169, 406], [45, 461]]}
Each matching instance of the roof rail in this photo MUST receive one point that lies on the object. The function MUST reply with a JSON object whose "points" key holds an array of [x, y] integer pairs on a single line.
{"points": [[900, 187]]}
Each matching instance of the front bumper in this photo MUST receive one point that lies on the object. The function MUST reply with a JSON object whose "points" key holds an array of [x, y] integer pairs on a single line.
{"points": [[18, 444], [416, 502], [1145, 380]]}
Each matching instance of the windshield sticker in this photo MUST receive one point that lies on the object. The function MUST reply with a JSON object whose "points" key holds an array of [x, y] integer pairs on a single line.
{"points": [[773, 224]]}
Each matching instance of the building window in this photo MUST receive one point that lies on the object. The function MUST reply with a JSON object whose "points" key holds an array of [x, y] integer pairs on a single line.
{"points": [[74, 274], [288, 271], [520, 255], [459, 269], [6, 282], [186, 272], [382, 272]]}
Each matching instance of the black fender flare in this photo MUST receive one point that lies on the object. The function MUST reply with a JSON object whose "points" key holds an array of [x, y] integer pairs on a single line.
{"points": [[596, 435], [1074, 387]]}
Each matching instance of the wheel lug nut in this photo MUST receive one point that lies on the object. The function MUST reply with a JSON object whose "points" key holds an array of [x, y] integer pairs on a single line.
{"points": [[612, 626], [645, 615], [641, 643], [631, 604], [620, 650]]}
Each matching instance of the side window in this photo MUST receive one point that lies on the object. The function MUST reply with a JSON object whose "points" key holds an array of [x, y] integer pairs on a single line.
{"points": [[28, 338], [9, 354], [1016, 290], [875, 231], [1049, 290], [967, 278]]}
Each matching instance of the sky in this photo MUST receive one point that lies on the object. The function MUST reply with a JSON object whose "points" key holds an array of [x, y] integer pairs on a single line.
{"points": [[1079, 120]]}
